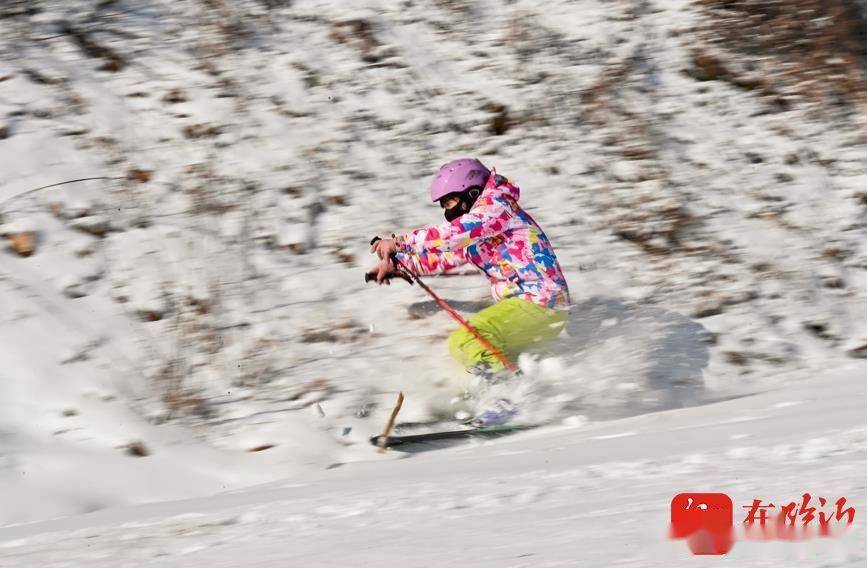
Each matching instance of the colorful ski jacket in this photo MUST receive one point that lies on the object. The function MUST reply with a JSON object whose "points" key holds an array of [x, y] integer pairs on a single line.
{"points": [[497, 237]]}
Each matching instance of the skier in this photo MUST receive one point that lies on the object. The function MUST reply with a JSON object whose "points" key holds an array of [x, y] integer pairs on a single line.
{"points": [[487, 228]]}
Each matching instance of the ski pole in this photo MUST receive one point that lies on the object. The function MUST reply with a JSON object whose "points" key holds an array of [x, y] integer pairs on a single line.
{"points": [[383, 438], [413, 277]]}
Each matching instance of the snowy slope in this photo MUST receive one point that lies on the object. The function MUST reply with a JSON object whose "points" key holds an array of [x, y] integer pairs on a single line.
{"points": [[592, 496], [198, 323]]}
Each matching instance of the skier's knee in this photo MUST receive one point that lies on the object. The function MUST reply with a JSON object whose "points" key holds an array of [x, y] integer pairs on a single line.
{"points": [[458, 343], [469, 351]]}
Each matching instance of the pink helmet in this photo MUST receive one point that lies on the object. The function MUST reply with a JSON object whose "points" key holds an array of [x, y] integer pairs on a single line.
{"points": [[458, 175]]}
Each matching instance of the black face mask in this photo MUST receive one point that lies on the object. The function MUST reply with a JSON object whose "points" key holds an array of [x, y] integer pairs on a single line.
{"points": [[467, 199], [454, 212]]}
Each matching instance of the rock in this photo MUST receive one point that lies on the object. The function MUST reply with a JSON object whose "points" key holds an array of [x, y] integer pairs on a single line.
{"points": [[293, 237], [708, 307], [194, 131], [337, 199], [83, 246], [84, 39], [81, 352], [150, 315], [70, 209], [359, 34], [43, 76], [175, 96], [859, 352], [500, 121], [22, 235], [137, 448], [856, 348], [5, 131], [345, 255], [72, 129], [733, 298], [97, 225], [318, 336], [754, 157], [820, 327], [626, 171], [708, 337], [830, 277], [74, 291], [838, 252], [744, 358], [707, 67], [139, 175]]}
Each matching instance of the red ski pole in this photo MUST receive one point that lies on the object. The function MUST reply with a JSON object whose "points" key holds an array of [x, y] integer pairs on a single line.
{"points": [[413, 277]]}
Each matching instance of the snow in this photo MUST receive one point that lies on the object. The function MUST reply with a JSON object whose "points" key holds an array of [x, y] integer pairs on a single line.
{"points": [[191, 365], [598, 493]]}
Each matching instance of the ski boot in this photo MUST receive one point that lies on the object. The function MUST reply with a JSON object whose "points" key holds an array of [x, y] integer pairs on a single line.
{"points": [[500, 412]]}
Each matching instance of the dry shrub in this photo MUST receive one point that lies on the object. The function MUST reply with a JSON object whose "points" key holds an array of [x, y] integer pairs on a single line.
{"points": [[139, 175], [357, 33], [815, 49], [83, 38], [345, 331], [194, 131], [23, 243]]}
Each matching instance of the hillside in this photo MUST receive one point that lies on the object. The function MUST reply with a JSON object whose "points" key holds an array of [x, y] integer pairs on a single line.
{"points": [[195, 321]]}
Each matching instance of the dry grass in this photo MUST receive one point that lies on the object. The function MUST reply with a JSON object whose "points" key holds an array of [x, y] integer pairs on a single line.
{"points": [[813, 49], [357, 33], [23, 243]]}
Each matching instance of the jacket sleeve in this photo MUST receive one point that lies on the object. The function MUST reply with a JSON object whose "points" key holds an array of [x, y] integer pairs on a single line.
{"points": [[428, 262], [484, 221]]}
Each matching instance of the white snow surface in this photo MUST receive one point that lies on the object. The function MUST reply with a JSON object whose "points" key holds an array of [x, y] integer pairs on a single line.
{"points": [[191, 365], [593, 495]]}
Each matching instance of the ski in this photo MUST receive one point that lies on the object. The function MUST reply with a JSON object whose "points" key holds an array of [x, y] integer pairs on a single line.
{"points": [[483, 432]]}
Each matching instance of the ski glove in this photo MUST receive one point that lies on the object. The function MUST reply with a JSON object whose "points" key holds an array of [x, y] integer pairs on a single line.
{"points": [[383, 248], [383, 272]]}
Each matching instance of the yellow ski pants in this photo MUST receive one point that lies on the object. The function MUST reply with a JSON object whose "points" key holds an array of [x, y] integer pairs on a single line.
{"points": [[512, 325]]}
